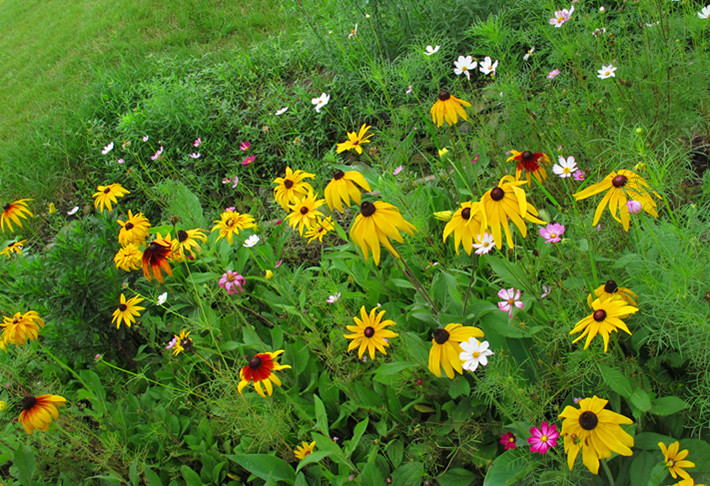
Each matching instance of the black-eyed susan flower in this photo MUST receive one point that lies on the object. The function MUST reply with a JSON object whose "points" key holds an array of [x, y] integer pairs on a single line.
{"points": [[376, 223], [355, 140], [135, 229], [304, 212], [155, 259], [621, 185], [531, 163], [180, 343], [369, 333], [505, 202], [321, 227], [231, 223], [106, 195], [128, 257], [20, 328], [595, 431], [343, 187], [304, 449], [291, 186], [448, 108], [446, 350], [467, 223], [186, 241], [12, 212], [675, 460], [127, 311], [13, 247], [261, 370], [610, 290], [687, 481], [37, 412], [605, 319]]}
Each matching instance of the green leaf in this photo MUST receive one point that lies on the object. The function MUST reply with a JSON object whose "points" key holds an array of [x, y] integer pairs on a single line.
{"points": [[314, 456], [668, 406], [641, 466], [26, 464], [459, 387], [133, 473], [151, 478], [457, 477], [407, 474], [190, 476], [649, 441], [357, 435], [507, 468], [266, 467], [616, 381], [371, 474], [321, 415], [640, 400]]}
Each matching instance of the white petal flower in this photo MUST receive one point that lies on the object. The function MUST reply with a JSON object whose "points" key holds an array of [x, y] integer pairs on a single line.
{"points": [[474, 353], [107, 148], [281, 111], [195, 155], [565, 168], [607, 72], [321, 101], [162, 298], [73, 211], [484, 244], [464, 65], [251, 241], [705, 12], [333, 298], [431, 50], [487, 66]]}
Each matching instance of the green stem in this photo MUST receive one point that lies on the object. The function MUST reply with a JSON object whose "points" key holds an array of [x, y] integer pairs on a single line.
{"points": [[608, 472]]}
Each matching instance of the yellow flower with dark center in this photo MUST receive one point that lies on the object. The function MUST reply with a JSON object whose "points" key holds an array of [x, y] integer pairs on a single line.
{"points": [[504, 202], [261, 370], [595, 431], [531, 163], [135, 229], [675, 461], [687, 482], [376, 223], [128, 257], [610, 290], [155, 259], [304, 212], [369, 333], [186, 241], [304, 449], [14, 247], [620, 186], [20, 328], [448, 108], [605, 319], [127, 311], [231, 223], [106, 195], [291, 186], [321, 227], [467, 223], [12, 212], [182, 343], [37, 412], [355, 140], [445, 348], [344, 186]]}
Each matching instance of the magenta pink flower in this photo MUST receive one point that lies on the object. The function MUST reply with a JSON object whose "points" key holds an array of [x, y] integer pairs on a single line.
{"points": [[232, 282], [634, 206], [157, 154], [552, 232], [543, 438], [244, 146], [578, 175], [553, 74], [508, 440], [197, 142], [248, 160], [511, 299]]}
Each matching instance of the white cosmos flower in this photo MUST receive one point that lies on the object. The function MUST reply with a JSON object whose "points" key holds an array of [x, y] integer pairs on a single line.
{"points": [[528, 54], [464, 65], [251, 241], [607, 72], [487, 66], [431, 50], [565, 168], [195, 155], [281, 111], [474, 353], [321, 101], [107, 148], [484, 243], [705, 12], [162, 298], [332, 299], [73, 211]]}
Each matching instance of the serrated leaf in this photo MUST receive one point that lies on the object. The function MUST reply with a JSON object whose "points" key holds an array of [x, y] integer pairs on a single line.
{"points": [[668, 406]]}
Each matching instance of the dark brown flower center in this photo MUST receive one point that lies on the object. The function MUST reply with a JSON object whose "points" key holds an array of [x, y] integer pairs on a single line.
{"points": [[107, 190], [441, 336], [619, 181], [444, 95], [367, 209], [187, 344], [497, 194], [599, 315], [122, 307], [355, 142], [229, 222], [129, 226], [369, 331], [588, 420], [28, 402], [182, 235], [610, 287], [304, 210], [15, 320], [338, 175], [7, 206], [255, 363], [527, 155], [466, 213], [288, 183]]}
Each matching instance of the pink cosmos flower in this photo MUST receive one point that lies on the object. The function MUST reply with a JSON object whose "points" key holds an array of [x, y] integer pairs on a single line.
{"points": [[244, 146], [553, 74], [409, 89], [552, 232], [634, 206], [278, 264], [235, 182], [157, 154], [197, 142], [398, 170], [511, 299], [230, 208], [474, 159], [546, 289], [561, 16], [578, 175], [543, 438], [232, 282], [145, 139], [249, 160], [332, 299], [508, 440], [226, 180], [120, 161], [172, 343]]}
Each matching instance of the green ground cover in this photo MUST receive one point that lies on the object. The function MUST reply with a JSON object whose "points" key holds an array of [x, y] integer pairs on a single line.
{"points": [[229, 320]]}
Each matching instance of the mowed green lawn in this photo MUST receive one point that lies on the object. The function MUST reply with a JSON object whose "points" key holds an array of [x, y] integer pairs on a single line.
{"points": [[50, 50]]}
